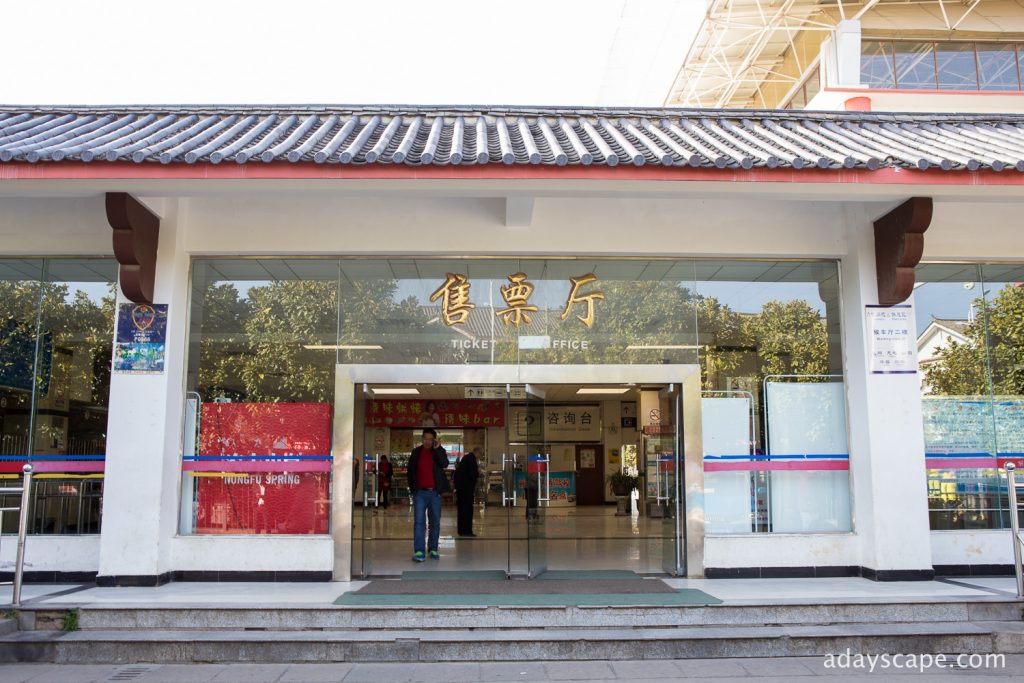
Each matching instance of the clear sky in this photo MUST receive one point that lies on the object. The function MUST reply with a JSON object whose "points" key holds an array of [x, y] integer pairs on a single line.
{"points": [[544, 52]]}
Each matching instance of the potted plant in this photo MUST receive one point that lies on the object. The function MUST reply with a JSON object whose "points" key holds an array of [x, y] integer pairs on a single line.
{"points": [[623, 484]]}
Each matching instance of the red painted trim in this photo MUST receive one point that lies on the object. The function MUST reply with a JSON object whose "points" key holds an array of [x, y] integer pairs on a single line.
{"points": [[41, 466], [960, 463], [651, 172], [256, 466], [759, 466], [902, 91]]}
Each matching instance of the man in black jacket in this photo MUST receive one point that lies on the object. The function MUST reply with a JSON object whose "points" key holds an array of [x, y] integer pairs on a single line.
{"points": [[466, 474], [428, 479]]}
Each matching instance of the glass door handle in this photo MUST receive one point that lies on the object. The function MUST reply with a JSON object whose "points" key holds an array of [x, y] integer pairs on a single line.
{"points": [[515, 489], [376, 480], [504, 481], [366, 487], [546, 487]]}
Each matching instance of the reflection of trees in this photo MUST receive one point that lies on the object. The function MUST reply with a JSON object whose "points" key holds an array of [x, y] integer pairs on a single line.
{"points": [[74, 341], [253, 347], [994, 351]]}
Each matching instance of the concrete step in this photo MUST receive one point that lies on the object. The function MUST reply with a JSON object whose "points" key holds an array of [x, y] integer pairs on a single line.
{"points": [[192, 646], [304, 617]]}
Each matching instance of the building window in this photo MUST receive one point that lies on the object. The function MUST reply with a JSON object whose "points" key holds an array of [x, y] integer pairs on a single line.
{"points": [[944, 65], [260, 383], [805, 92], [997, 66], [776, 457], [877, 69], [266, 335], [970, 319], [56, 327], [957, 66]]}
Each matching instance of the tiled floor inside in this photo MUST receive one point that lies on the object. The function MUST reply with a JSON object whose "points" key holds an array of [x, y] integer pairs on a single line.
{"points": [[570, 538]]}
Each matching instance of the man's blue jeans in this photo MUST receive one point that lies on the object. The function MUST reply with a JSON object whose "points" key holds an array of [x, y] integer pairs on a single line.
{"points": [[426, 503]]}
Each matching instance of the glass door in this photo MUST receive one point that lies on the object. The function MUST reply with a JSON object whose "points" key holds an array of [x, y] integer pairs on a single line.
{"points": [[538, 484], [366, 465], [667, 447]]}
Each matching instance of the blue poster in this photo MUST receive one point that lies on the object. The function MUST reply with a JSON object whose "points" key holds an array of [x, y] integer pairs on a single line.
{"points": [[141, 338]]}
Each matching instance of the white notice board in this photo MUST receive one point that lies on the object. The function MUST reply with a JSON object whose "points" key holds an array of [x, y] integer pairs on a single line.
{"points": [[892, 344]]}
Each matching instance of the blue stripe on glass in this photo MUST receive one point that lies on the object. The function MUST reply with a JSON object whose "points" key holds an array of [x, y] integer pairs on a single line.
{"points": [[52, 457]]}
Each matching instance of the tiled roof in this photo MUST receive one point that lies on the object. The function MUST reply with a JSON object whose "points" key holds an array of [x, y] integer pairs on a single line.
{"points": [[469, 136]]}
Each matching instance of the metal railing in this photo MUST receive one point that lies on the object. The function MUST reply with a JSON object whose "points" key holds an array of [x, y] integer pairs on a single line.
{"points": [[1018, 540], [22, 510]]}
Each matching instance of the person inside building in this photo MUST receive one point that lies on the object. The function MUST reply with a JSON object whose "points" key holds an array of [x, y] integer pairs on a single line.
{"points": [[384, 475], [466, 474], [427, 482]]}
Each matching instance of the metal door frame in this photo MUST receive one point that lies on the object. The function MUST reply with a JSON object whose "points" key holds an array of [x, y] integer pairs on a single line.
{"points": [[347, 377]]}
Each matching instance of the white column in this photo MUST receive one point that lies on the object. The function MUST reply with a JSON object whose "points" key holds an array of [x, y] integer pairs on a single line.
{"points": [[140, 495], [887, 465], [847, 54]]}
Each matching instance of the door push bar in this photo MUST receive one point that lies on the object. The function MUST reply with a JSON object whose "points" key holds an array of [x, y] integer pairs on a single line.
{"points": [[506, 477], [370, 480]]}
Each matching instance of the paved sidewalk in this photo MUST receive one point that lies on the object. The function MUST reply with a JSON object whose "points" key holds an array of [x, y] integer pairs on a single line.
{"points": [[660, 671]]}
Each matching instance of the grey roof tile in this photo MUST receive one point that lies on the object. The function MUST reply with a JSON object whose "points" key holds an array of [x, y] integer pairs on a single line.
{"points": [[466, 136]]}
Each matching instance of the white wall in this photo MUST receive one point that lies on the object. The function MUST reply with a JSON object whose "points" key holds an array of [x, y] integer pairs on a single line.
{"points": [[52, 553], [782, 550], [415, 225], [972, 547], [54, 226], [252, 553]]}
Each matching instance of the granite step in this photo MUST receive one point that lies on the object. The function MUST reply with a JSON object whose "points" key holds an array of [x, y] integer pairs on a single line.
{"points": [[507, 644], [304, 617]]}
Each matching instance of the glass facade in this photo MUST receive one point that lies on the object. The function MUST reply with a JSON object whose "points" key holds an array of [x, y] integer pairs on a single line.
{"points": [[946, 65], [56, 331], [970, 320], [265, 335]]}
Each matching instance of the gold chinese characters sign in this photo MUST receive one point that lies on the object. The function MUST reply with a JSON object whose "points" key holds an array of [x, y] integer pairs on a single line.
{"points": [[454, 295]]}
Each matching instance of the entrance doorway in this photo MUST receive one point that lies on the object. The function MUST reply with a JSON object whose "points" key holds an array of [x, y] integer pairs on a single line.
{"points": [[544, 451]]}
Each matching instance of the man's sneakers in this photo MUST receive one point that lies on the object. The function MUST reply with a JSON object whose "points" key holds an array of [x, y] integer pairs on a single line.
{"points": [[419, 557]]}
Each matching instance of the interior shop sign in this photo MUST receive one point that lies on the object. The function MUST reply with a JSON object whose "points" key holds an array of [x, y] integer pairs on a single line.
{"points": [[457, 302], [442, 413]]}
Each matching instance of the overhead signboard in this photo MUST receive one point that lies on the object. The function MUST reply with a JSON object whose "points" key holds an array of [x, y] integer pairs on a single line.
{"points": [[570, 423]]}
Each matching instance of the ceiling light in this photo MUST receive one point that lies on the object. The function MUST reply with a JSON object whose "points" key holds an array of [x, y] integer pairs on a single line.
{"points": [[637, 347], [345, 347], [395, 391], [602, 390]]}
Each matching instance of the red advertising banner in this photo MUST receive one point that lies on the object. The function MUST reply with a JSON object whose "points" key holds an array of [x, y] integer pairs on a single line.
{"points": [[265, 429], [443, 413], [263, 503]]}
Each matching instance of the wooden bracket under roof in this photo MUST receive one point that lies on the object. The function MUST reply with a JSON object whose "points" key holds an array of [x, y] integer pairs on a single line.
{"points": [[136, 235], [899, 244]]}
